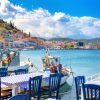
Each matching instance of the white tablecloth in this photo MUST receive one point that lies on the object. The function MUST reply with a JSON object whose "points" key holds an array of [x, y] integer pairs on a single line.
{"points": [[17, 79], [21, 80], [50, 99]]}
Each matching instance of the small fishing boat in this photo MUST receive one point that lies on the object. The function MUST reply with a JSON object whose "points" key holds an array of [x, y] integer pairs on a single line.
{"points": [[52, 64], [10, 59]]}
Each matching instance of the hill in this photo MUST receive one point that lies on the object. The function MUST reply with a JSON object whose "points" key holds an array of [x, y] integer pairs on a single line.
{"points": [[94, 40], [4, 26], [10, 27], [61, 39]]}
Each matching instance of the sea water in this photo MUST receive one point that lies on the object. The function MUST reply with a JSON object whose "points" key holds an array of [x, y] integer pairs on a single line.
{"points": [[82, 62]]}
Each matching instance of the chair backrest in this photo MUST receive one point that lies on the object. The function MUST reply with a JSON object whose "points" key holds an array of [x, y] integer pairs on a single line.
{"points": [[91, 92], [3, 69], [20, 97], [35, 87], [3, 74], [78, 83], [54, 85], [20, 71]]}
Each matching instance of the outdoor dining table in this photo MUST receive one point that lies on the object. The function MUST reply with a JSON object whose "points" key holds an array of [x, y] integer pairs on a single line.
{"points": [[95, 81], [17, 81]]}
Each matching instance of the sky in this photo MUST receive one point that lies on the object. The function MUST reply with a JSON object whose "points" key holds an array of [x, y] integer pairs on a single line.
{"points": [[54, 18]]}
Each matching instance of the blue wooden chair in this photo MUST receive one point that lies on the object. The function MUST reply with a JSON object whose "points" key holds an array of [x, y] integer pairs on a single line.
{"points": [[20, 97], [78, 83], [54, 85], [20, 71], [91, 91], [3, 69], [35, 87], [3, 74]]}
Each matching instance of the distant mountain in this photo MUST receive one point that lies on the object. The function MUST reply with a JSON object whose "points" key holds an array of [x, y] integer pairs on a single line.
{"points": [[94, 40], [61, 39], [42, 39]]}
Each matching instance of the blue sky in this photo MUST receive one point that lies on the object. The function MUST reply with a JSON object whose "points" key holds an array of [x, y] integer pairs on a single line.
{"points": [[73, 7], [54, 18]]}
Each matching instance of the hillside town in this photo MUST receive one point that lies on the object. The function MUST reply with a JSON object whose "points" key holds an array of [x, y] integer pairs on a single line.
{"points": [[11, 37], [21, 41]]}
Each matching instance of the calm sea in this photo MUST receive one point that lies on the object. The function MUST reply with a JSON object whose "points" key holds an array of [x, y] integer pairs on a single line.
{"points": [[82, 62]]}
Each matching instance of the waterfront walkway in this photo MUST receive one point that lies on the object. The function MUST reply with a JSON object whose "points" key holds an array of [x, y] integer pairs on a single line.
{"points": [[71, 95]]}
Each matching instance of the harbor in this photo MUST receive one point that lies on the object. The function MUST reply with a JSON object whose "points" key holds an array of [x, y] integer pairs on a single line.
{"points": [[74, 62], [49, 50]]}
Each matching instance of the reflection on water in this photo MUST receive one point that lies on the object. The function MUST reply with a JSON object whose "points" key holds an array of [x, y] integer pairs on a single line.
{"points": [[64, 89]]}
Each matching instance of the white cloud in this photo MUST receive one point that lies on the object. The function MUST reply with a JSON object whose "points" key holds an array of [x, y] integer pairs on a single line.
{"points": [[8, 9], [41, 22], [97, 23]]}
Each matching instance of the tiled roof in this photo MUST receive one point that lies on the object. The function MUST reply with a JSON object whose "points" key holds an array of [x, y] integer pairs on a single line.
{"points": [[1, 38]]}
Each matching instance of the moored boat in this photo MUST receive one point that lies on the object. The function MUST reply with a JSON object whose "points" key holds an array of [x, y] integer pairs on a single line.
{"points": [[52, 64], [10, 59]]}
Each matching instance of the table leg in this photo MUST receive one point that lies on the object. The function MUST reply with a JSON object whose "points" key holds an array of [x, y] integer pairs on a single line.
{"points": [[15, 89]]}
